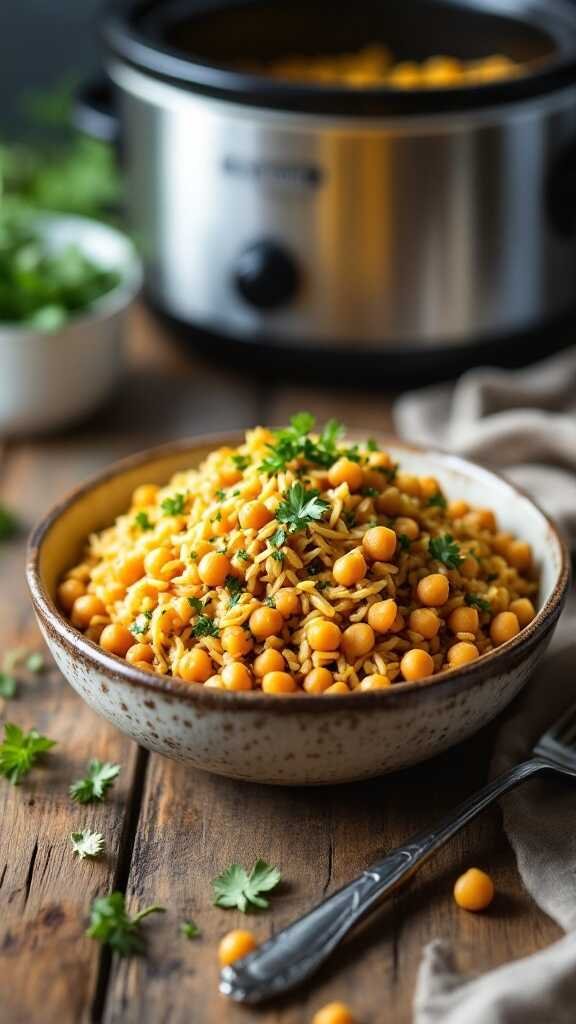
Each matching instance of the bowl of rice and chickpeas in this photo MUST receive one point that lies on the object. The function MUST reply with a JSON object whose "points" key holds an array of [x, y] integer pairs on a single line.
{"points": [[296, 606]]}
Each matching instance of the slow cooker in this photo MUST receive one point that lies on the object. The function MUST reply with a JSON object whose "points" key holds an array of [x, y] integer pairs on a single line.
{"points": [[316, 217]]}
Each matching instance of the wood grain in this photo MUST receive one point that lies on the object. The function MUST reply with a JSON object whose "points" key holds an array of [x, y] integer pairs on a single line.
{"points": [[170, 830]]}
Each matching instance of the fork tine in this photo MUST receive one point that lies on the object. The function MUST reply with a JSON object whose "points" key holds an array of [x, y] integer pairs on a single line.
{"points": [[564, 729]]}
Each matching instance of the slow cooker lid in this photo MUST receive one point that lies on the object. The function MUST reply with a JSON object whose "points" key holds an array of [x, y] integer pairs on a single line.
{"points": [[201, 44]]}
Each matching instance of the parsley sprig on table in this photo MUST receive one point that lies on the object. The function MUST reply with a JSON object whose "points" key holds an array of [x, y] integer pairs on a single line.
{"points": [[444, 549], [8, 524], [235, 888], [100, 776], [86, 843], [20, 751], [300, 507], [7, 686], [190, 930], [111, 925]]}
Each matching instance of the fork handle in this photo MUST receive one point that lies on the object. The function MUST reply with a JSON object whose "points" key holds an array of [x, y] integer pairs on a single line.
{"points": [[291, 956]]}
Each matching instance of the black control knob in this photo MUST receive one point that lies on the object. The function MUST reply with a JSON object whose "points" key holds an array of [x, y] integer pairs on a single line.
{"points": [[266, 275]]}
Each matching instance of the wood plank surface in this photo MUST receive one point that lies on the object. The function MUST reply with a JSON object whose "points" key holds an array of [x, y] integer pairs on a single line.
{"points": [[170, 829]]}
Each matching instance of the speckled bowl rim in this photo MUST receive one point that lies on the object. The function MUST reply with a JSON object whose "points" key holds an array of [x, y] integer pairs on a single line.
{"points": [[475, 673]]}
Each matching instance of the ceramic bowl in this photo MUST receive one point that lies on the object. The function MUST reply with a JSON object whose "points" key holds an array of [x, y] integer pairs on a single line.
{"points": [[82, 360], [296, 739]]}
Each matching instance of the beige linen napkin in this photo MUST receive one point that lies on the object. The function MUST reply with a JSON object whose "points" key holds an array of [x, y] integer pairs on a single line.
{"points": [[523, 423]]}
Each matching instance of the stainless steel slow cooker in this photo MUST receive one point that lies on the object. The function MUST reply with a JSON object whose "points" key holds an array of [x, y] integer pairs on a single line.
{"points": [[352, 219]]}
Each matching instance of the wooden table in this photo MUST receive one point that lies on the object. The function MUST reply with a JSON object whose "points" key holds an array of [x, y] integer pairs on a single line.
{"points": [[170, 830]]}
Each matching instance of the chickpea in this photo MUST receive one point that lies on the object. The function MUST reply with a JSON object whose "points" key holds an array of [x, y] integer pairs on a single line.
{"points": [[357, 640], [433, 590], [138, 653], [429, 486], [469, 567], [391, 502], [236, 676], [337, 688], [519, 555], [68, 592], [84, 609], [344, 471], [235, 945], [287, 602], [236, 641], [407, 526], [350, 568], [278, 682], [269, 661], [457, 509], [474, 890], [501, 542], [324, 635], [130, 569], [195, 666], [379, 460], [144, 495], [462, 653], [484, 519], [214, 683], [265, 622], [464, 620], [503, 627], [375, 682], [113, 592], [416, 664], [94, 632], [379, 543], [318, 681], [155, 559], [333, 1013], [425, 622], [523, 609], [382, 615], [398, 624], [254, 516], [409, 484], [213, 569], [116, 639], [229, 475]]}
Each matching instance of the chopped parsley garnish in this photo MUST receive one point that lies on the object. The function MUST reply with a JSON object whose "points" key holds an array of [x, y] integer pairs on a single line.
{"points": [[7, 686], [369, 492], [404, 542], [294, 442], [372, 445], [19, 751], [270, 602], [349, 518], [300, 507], [205, 626], [353, 453], [479, 602], [241, 461], [196, 604], [217, 518], [100, 777], [491, 577], [235, 588], [243, 554], [111, 925], [220, 495], [141, 519], [278, 556], [87, 843], [190, 930], [437, 501], [390, 472], [141, 624], [236, 889], [174, 506], [193, 556], [322, 584], [279, 538], [444, 549]]}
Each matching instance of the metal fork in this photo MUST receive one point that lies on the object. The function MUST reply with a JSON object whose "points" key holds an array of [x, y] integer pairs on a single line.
{"points": [[295, 953]]}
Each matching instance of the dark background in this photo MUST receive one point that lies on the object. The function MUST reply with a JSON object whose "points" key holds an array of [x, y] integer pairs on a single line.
{"points": [[42, 44]]}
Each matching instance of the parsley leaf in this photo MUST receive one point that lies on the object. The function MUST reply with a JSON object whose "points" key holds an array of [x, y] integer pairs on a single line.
{"points": [[235, 588], [96, 783], [111, 925], [190, 930], [444, 549], [369, 492], [196, 604], [7, 686], [279, 538], [241, 461], [476, 601], [437, 501], [300, 507], [20, 751], [234, 888], [174, 506], [88, 844], [141, 624], [270, 602], [35, 662], [294, 441], [205, 626], [404, 541], [141, 519], [372, 445], [243, 554], [8, 524]]}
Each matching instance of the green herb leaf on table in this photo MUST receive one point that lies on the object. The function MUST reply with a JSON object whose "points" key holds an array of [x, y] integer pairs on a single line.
{"points": [[479, 602], [8, 522], [437, 501], [235, 888], [142, 520], [190, 930], [35, 662], [100, 776], [372, 445], [174, 505], [300, 507], [7, 686], [86, 843], [111, 924], [444, 549], [20, 751]]}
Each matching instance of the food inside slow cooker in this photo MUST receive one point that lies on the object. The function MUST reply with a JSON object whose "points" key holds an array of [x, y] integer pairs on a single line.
{"points": [[375, 66]]}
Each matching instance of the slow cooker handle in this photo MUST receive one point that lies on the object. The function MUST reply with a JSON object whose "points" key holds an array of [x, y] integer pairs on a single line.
{"points": [[94, 111]]}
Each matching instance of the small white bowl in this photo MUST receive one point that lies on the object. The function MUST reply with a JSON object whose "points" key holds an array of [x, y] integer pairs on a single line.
{"points": [[51, 378]]}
